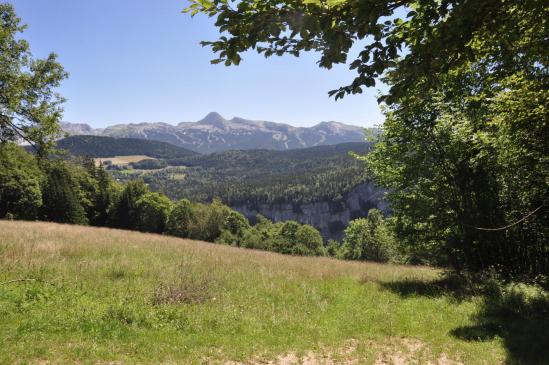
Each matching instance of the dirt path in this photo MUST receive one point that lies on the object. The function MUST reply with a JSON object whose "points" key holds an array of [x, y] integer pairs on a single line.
{"points": [[401, 351]]}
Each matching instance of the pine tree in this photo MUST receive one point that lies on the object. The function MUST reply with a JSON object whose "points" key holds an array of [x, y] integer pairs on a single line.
{"points": [[60, 197]]}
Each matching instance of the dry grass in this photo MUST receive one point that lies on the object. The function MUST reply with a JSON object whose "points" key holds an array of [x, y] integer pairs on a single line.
{"points": [[55, 241], [104, 295], [123, 160]]}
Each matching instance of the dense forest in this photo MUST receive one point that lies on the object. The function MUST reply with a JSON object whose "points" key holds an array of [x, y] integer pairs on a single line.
{"points": [[322, 173], [255, 176], [96, 146]]}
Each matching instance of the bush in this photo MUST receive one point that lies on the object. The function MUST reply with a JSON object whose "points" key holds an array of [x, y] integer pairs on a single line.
{"points": [[236, 223], [208, 220], [293, 238], [333, 248], [368, 239], [308, 242]]}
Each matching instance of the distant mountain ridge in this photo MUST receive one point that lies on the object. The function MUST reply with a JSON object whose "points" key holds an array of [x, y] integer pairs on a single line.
{"points": [[216, 134]]}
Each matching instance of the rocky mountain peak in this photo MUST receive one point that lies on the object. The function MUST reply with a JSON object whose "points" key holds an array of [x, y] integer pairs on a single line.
{"points": [[213, 118], [214, 133]]}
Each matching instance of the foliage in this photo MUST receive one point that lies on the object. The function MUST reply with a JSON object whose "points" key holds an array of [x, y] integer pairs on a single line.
{"points": [[333, 249], [259, 176], [208, 220], [61, 196], [20, 183], [466, 137], [293, 238], [464, 174], [125, 213], [180, 219], [368, 239], [76, 190], [30, 110], [149, 164], [308, 242], [420, 39], [104, 196], [236, 223], [153, 210]]}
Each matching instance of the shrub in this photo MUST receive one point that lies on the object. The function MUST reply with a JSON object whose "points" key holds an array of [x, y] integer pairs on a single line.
{"points": [[293, 238], [333, 248], [308, 242], [208, 220], [368, 239], [236, 223]]}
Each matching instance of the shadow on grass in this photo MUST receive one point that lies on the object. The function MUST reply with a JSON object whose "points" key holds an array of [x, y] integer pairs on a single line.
{"points": [[449, 286], [519, 318], [517, 314]]}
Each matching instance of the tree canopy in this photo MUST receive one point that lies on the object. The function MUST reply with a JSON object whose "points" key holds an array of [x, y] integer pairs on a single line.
{"points": [[419, 39], [465, 144]]}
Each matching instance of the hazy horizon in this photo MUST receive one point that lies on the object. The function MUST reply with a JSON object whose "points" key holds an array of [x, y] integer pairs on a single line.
{"points": [[137, 62]]}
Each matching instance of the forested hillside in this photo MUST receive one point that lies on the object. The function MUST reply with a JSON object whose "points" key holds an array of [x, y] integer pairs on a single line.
{"points": [[258, 176], [324, 186], [96, 146]]}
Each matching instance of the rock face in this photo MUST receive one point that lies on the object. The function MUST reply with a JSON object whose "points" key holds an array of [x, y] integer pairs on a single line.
{"points": [[331, 218], [215, 134]]}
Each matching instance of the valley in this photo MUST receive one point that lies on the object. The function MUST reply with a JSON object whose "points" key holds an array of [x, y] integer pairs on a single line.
{"points": [[324, 186], [150, 236]]}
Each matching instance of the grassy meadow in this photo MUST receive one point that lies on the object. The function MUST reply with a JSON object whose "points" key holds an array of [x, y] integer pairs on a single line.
{"points": [[72, 294], [122, 160]]}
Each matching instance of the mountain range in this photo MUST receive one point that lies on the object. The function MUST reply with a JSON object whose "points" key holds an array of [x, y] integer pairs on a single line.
{"points": [[216, 134]]}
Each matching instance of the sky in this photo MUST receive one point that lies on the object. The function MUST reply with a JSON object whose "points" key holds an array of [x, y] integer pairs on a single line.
{"points": [[141, 61]]}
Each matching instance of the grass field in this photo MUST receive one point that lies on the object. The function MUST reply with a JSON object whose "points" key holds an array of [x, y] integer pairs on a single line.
{"points": [[93, 295], [123, 160]]}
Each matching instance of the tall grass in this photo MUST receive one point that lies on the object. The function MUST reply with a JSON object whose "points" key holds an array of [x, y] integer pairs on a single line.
{"points": [[95, 295]]}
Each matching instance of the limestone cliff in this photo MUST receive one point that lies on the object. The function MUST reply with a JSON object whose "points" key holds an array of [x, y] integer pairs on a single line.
{"points": [[330, 217]]}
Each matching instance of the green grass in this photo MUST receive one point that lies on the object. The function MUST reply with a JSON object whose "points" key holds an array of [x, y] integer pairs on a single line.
{"points": [[93, 295]]}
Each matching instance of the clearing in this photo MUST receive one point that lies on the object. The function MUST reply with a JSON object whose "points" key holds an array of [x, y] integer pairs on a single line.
{"points": [[122, 160]]}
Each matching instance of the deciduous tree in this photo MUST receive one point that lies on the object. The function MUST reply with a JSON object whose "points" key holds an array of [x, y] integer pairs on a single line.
{"points": [[30, 109]]}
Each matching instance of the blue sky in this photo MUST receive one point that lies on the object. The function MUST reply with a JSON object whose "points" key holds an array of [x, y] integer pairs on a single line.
{"points": [[140, 61]]}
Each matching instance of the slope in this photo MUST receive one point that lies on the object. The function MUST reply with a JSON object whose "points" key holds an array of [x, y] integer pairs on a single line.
{"points": [[72, 294], [97, 146]]}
